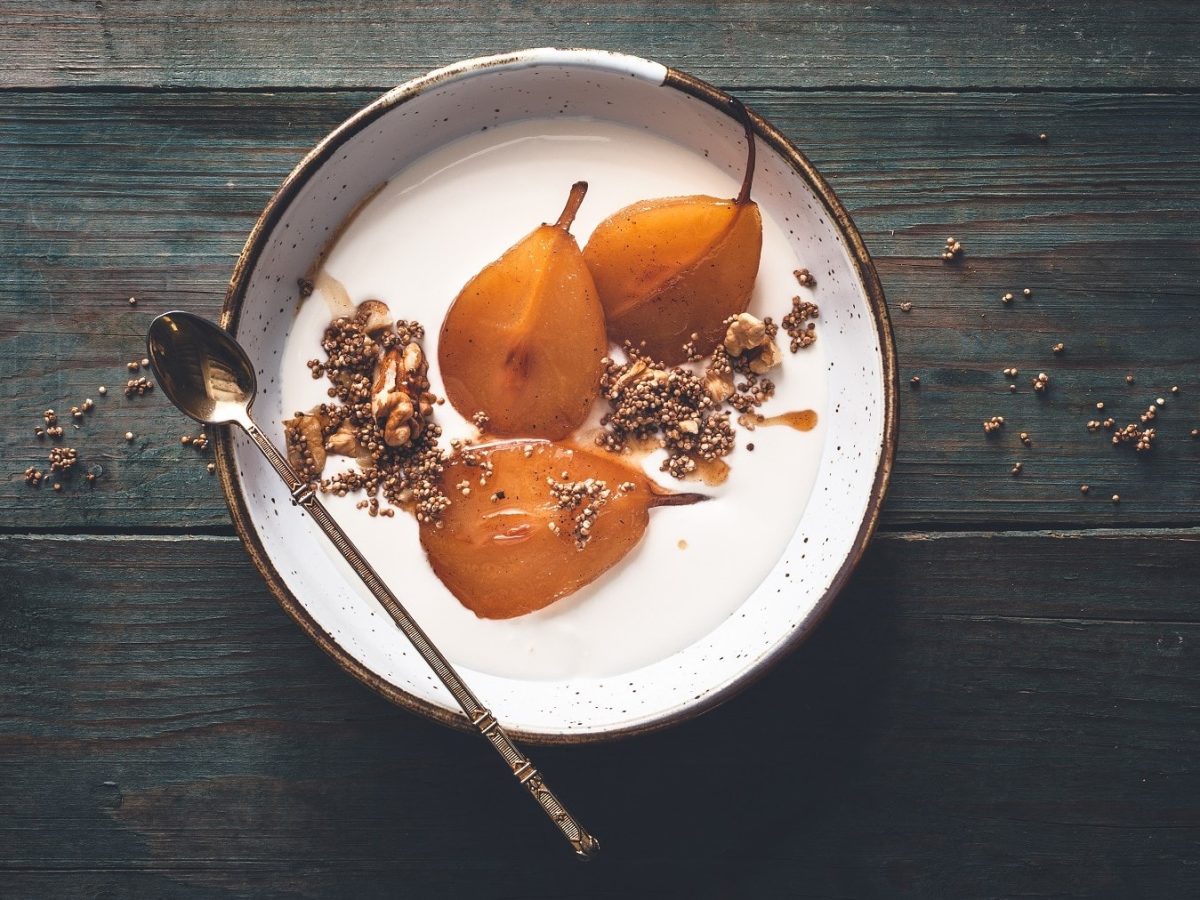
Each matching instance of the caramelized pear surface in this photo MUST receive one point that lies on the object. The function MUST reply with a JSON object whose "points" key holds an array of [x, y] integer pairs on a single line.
{"points": [[523, 340], [507, 548], [673, 267]]}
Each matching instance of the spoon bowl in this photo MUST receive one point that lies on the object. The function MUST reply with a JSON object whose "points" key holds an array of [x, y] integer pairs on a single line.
{"points": [[201, 368]]}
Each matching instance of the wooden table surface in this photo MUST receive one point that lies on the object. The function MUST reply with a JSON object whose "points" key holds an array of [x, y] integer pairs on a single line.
{"points": [[1003, 703]]}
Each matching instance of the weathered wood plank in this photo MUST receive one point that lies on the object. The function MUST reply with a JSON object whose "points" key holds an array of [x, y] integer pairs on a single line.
{"points": [[985, 715], [280, 43], [107, 195]]}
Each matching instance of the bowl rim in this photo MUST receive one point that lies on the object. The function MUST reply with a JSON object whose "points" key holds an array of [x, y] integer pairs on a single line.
{"points": [[678, 80]]}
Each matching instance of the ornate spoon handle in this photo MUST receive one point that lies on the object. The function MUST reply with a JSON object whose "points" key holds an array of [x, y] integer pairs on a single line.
{"points": [[583, 843]]}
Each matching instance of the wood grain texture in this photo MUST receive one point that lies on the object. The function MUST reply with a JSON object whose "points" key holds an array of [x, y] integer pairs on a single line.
{"points": [[959, 726], [107, 195], [276, 43]]}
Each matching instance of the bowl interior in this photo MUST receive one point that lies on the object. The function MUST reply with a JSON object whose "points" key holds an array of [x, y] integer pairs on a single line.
{"points": [[323, 594]]}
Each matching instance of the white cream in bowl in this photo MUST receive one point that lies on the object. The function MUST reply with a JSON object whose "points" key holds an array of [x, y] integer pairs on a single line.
{"points": [[415, 244]]}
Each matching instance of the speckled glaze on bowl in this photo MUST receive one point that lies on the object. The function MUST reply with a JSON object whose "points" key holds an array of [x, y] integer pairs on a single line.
{"points": [[856, 461]]}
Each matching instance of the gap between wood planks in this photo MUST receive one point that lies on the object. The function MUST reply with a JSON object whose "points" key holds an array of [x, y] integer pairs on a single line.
{"points": [[831, 88]]}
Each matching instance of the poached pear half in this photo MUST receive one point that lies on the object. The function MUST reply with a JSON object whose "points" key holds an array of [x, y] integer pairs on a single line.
{"points": [[505, 547], [674, 267], [524, 340]]}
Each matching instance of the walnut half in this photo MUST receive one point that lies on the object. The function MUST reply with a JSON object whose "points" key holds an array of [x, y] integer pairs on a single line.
{"points": [[400, 398]]}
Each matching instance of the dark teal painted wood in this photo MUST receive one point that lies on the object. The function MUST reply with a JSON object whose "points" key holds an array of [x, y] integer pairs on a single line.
{"points": [[272, 43], [108, 195], [962, 725]]}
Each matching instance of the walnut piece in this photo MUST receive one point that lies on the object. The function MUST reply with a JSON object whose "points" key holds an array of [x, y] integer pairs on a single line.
{"points": [[747, 337], [400, 398], [374, 316], [345, 442], [305, 443], [745, 332], [718, 386], [767, 358], [634, 373]]}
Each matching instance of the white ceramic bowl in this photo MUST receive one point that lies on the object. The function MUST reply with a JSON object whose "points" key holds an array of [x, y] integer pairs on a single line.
{"points": [[859, 418]]}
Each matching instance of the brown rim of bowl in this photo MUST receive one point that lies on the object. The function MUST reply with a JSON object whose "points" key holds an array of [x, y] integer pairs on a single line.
{"points": [[240, 513]]}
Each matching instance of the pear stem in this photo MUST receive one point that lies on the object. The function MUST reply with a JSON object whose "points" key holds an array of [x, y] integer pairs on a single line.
{"points": [[578, 189], [676, 500], [747, 179]]}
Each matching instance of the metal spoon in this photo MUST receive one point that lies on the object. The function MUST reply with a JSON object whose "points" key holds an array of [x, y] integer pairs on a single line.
{"points": [[205, 372]]}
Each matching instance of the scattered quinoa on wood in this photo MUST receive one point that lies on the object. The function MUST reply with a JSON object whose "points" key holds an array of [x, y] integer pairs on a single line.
{"points": [[63, 459], [138, 387], [952, 251], [1141, 438]]}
